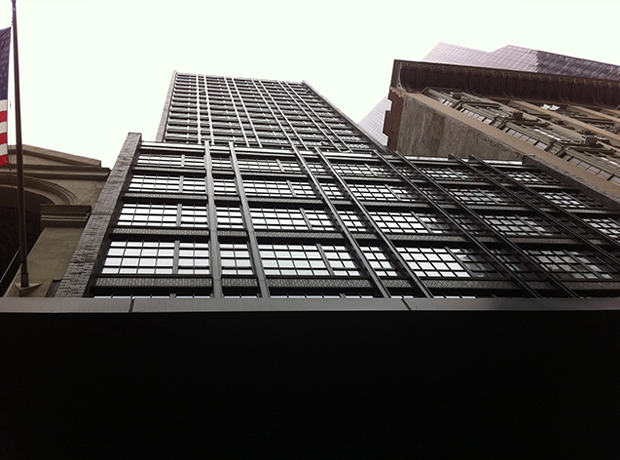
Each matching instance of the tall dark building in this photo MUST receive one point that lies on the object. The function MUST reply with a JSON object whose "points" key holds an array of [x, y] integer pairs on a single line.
{"points": [[261, 188]]}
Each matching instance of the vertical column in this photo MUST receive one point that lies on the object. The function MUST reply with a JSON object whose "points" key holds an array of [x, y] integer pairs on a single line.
{"points": [[247, 217], [214, 247]]}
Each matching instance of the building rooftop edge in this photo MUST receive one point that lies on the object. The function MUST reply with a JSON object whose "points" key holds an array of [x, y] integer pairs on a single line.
{"points": [[415, 76]]}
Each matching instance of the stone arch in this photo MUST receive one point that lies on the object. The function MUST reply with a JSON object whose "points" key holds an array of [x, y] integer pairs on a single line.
{"points": [[38, 192]]}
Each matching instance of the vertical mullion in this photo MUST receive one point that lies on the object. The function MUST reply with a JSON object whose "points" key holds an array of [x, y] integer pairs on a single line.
{"points": [[179, 214], [214, 248], [247, 114], [247, 217], [198, 117], [175, 257], [232, 101], [211, 135], [319, 248]]}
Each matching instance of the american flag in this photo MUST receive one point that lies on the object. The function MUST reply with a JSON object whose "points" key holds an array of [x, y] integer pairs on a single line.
{"points": [[5, 44]]}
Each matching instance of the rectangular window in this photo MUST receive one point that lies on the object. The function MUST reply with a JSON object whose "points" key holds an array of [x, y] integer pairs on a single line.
{"points": [[278, 188], [157, 258], [171, 160], [332, 191], [454, 174], [162, 215], [352, 221], [409, 222], [167, 184], [379, 261], [607, 225], [290, 219], [193, 258], [446, 262], [307, 260], [269, 166], [381, 192], [224, 187], [229, 218], [519, 225], [480, 196], [571, 265], [235, 259], [571, 200], [362, 170]]}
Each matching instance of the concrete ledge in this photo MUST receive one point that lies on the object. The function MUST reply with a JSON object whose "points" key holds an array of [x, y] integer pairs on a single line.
{"points": [[89, 305], [221, 305], [64, 305]]}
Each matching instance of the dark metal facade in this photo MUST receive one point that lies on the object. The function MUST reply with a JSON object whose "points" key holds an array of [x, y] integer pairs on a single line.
{"points": [[263, 189]]}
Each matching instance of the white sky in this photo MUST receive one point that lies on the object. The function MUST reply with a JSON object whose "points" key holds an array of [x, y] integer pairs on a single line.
{"points": [[94, 70]]}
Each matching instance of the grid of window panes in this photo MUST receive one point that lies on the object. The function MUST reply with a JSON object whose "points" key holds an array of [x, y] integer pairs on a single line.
{"points": [[156, 258], [170, 160], [409, 222], [235, 259], [273, 188], [291, 219], [257, 114], [167, 184], [607, 225], [379, 261], [573, 264], [229, 218], [520, 225], [447, 262], [163, 215], [307, 260]]}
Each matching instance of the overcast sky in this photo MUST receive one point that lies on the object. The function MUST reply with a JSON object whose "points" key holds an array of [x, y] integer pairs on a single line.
{"points": [[93, 70]]}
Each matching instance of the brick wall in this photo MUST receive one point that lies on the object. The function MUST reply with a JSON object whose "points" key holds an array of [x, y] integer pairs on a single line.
{"points": [[78, 273]]}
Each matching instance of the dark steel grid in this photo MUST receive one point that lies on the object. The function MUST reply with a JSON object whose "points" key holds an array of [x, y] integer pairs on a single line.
{"points": [[559, 209], [473, 240], [352, 242], [393, 253]]}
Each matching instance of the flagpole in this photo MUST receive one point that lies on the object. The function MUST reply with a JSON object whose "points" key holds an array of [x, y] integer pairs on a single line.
{"points": [[21, 195]]}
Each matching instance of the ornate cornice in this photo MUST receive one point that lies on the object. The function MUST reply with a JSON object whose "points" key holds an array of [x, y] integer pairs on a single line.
{"points": [[415, 76]]}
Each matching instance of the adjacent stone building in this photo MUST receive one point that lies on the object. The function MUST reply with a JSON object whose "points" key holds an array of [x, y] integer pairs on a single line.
{"points": [[60, 192]]}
